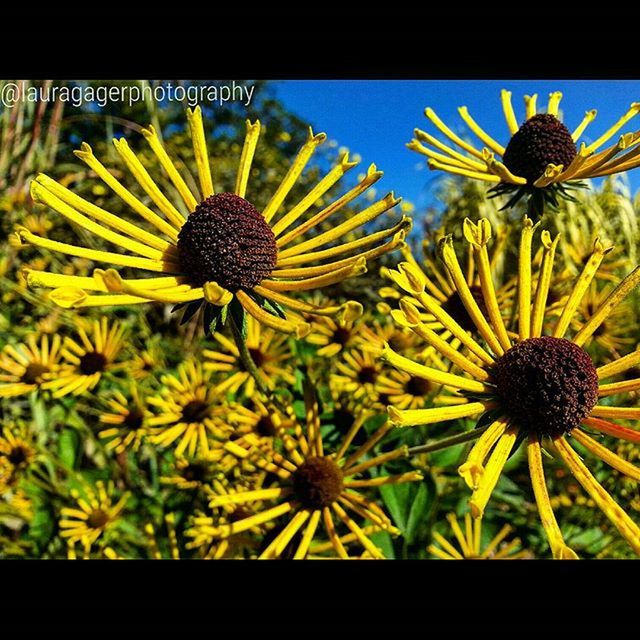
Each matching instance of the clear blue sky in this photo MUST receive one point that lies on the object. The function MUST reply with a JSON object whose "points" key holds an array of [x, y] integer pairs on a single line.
{"points": [[375, 118]]}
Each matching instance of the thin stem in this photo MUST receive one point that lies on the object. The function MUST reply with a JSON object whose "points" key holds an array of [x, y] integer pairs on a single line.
{"points": [[467, 436], [252, 369]]}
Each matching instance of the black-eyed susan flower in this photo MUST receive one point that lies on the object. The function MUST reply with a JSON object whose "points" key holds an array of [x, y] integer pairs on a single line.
{"points": [[269, 350], [16, 504], [470, 545], [544, 389], [188, 410], [615, 334], [203, 530], [18, 448], [357, 373], [541, 159], [94, 513], [404, 390], [145, 363], [128, 421], [380, 331], [90, 356], [191, 474], [257, 423], [214, 247], [30, 366], [312, 486], [332, 335]]}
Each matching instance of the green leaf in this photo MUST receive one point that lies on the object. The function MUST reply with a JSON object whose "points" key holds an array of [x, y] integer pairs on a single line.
{"points": [[409, 505], [447, 457], [418, 512], [68, 445], [385, 542], [42, 525], [212, 314]]}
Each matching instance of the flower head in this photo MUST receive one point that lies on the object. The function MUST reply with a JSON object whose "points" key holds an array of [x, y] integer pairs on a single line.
{"points": [[213, 247], [127, 421], [88, 357], [541, 156], [188, 410], [31, 366], [542, 389], [94, 513], [310, 486]]}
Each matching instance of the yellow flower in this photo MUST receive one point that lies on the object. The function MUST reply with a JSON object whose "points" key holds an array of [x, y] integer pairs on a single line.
{"points": [[190, 474], [188, 411], [373, 335], [31, 366], [539, 159], [258, 424], [615, 333], [333, 336], [90, 357], [129, 421], [269, 350], [357, 374], [542, 388], [18, 448], [145, 363], [93, 514], [404, 390], [313, 486], [203, 529], [469, 542], [214, 247]]}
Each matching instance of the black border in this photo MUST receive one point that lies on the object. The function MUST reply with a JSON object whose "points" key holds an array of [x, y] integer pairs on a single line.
{"points": [[536, 41], [541, 42]]}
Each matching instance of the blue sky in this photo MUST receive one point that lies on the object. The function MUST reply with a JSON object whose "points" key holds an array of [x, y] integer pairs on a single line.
{"points": [[375, 118]]}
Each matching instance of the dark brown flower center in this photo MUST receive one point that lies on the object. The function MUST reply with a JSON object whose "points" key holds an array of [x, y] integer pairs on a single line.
{"points": [[196, 472], [540, 141], [17, 456], [417, 386], [265, 427], [226, 240], [134, 418], [92, 362], [456, 309], [97, 519], [546, 385], [317, 482], [33, 373], [367, 375], [341, 336], [195, 411]]}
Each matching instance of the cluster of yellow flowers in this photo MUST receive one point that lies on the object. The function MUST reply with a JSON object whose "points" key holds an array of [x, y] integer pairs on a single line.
{"points": [[291, 419]]}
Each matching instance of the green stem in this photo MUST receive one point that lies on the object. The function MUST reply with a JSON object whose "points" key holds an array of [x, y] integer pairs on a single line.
{"points": [[467, 436], [251, 368]]}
